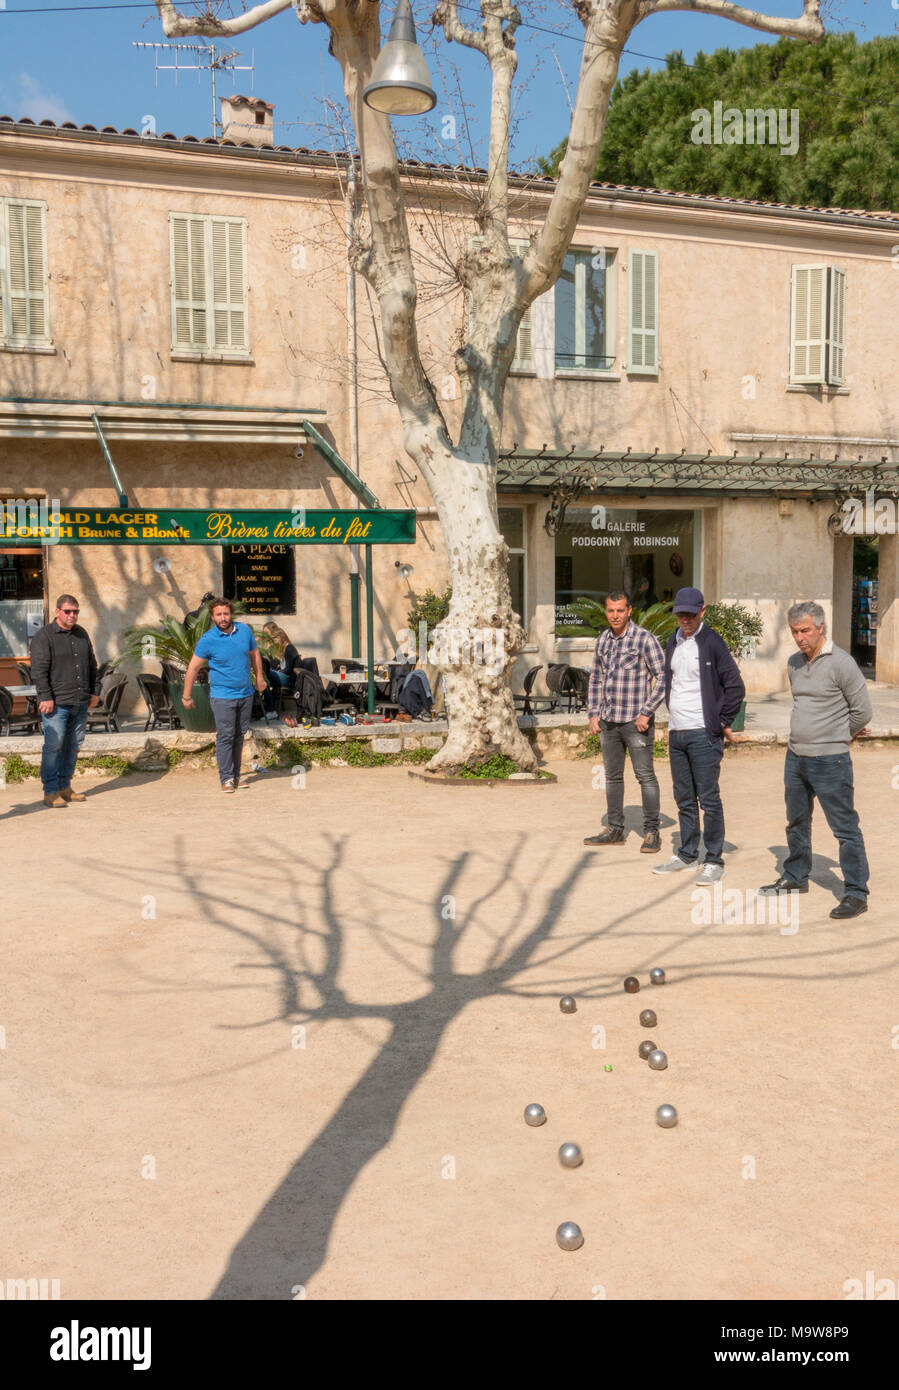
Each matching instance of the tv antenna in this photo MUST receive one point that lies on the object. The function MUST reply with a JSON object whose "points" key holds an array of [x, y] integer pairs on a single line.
{"points": [[206, 58]]}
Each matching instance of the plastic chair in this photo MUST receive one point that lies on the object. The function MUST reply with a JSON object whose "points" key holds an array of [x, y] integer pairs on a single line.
{"points": [[29, 722], [105, 715], [161, 710]]}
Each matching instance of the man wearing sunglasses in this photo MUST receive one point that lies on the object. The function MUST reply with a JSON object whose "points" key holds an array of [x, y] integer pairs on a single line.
{"points": [[64, 672]]}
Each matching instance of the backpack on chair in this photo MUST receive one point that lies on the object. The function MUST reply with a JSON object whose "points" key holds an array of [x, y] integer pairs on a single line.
{"points": [[308, 692]]}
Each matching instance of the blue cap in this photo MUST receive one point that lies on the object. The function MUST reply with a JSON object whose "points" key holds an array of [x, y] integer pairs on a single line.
{"points": [[688, 601]]}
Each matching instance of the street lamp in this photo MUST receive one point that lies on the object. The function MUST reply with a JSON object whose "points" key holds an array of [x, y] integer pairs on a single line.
{"points": [[400, 84]]}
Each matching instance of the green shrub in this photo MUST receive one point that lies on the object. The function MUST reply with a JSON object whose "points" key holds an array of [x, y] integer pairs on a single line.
{"points": [[740, 628], [429, 608], [500, 767], [17, 770]]}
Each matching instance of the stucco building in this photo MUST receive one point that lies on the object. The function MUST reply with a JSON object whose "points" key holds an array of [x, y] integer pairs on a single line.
{"points": [[690, 404]]}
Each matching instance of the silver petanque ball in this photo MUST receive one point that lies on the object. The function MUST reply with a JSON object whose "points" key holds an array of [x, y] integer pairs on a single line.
{"points": [[534, 1114], [569, 1236], [658, 1060], [567, 1004], [570, 1156], [666, 1116], [657, 976]]}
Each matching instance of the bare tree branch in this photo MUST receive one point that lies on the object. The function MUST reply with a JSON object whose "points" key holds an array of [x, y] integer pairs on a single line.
{"points": [[175, 24], [808, 26]]}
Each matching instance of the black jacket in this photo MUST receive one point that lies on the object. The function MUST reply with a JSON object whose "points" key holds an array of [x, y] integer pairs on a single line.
{"points": [[63, 665], [720, 683]]}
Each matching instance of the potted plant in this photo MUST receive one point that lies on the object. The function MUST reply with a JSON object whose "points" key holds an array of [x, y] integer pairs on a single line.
{"points": [[741, 631], [172, 643]]}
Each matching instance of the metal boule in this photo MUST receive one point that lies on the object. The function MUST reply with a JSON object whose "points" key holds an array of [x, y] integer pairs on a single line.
{"points": [[666, 1116], [534, 1114], [631, 984], [648, 1019], [570, 1156], [646, 1047], [567, 1004], [658, 1059], [569, 1236], [657, 975]]}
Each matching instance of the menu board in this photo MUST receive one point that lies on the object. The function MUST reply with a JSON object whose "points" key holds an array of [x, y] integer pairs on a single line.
{"points": [[263, 577]]}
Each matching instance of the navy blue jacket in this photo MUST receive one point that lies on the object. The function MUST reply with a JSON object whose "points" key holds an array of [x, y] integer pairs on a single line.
{"points": [[720, 683]]}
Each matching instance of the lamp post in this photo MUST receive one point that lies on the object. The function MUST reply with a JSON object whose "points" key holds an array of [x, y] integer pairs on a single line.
{"points": [[400, 83]]}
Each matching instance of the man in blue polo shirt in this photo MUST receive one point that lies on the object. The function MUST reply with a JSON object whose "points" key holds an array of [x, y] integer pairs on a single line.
{"points": [[230, 648]]}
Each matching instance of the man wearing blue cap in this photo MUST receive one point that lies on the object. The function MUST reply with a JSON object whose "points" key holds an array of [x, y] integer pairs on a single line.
{"points": [[703, 691]]}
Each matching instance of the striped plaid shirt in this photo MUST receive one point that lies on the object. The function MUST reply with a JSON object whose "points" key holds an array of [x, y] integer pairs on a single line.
{"points": [[624, 669]]}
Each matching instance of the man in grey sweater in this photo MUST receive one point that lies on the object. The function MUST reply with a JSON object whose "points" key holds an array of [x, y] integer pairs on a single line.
{"points": [[831, 707]]}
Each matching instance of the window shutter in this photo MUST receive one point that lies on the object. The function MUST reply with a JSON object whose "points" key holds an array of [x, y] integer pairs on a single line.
{"points": [[837, 333], [229, 284], [523, 360], [809, 301], [27, 313], [189, 326], [643, 312]]}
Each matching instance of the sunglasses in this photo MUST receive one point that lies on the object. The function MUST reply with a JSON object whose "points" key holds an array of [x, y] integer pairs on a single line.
{"points": [[76, 611]]}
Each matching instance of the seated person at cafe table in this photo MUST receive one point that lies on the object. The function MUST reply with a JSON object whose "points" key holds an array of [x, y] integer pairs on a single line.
{"points": [[280, 672]]}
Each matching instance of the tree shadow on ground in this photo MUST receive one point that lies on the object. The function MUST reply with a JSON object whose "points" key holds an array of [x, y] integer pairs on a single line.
{"points": [[305, 948]]}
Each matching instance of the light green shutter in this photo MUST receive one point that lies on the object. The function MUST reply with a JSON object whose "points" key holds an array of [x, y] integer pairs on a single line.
{"points": [[837, 334], [25, 306], [643, 312], [229, 293], [189, 315], [809, 319]]}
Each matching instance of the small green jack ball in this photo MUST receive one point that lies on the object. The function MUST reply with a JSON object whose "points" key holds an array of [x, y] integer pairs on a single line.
{"points": [[608, 1066]]}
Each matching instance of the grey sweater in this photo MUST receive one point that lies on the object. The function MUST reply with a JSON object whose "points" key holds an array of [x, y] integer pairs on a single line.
{"points": [[830, 702]]}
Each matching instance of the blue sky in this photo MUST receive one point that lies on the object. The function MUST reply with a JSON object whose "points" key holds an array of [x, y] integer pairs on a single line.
{"points": [[78, 64]]}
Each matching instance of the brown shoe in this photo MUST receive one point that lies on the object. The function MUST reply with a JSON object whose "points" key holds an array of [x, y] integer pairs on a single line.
{"points": [[403, 718], [53, 799], [68, 795], [652, 842]]}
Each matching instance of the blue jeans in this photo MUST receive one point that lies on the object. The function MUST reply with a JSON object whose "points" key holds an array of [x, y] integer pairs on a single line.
{"points": [[695, 763], [275, 678], [63, 736], [830, 780], [232, 719]]}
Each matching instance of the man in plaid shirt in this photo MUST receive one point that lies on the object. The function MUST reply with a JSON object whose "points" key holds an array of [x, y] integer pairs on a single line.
{"points": [[626, 689]]}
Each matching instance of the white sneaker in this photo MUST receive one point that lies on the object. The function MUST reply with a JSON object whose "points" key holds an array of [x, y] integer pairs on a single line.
{"points": [[711, 873], [674, 865]]}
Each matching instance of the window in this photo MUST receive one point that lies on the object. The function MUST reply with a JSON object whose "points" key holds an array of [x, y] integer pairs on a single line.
{"points": [[581, 313], [209, 284], [643, 313], [818, 315], [24, 298], [511, 524], [524, 343], [647, 553]]}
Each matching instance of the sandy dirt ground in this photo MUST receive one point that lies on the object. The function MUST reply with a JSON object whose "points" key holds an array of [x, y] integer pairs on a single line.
{"points": [[278, 1045]]}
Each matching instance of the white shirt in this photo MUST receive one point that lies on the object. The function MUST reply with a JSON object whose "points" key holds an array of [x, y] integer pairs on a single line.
{"points": [[685, 704]]}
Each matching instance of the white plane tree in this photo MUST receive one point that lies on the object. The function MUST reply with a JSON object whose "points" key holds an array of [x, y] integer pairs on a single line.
{"points": [[501, 284]]}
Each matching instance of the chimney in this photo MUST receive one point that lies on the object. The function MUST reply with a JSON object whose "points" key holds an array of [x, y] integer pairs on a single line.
{"points": [[248, 120]]}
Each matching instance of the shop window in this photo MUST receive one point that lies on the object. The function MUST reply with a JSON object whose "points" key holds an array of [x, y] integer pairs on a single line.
{"points": [[511, 523], [21, 600], [209, 284], [647, 553], [581, 313]]}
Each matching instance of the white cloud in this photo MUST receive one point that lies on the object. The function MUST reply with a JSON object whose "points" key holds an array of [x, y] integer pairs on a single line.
{"points": [[33, 100]]}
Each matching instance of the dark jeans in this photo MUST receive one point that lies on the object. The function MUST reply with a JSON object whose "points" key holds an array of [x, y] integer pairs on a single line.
{"points": [[695, 764], [232, 719], [830, 780], [617, 741], [275, 679], [63, 736]]}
